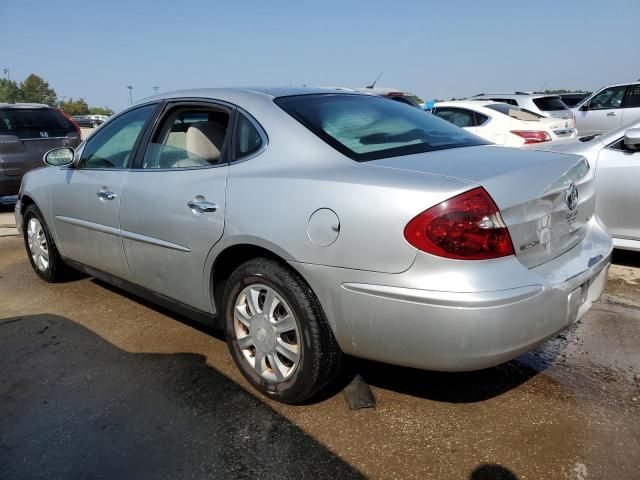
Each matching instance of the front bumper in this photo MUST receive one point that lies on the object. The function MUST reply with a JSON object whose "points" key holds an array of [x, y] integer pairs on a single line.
{"points": [[388, 318]]}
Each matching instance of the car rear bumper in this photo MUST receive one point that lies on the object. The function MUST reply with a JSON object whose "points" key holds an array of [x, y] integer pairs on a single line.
{"points": [[464, 330]]}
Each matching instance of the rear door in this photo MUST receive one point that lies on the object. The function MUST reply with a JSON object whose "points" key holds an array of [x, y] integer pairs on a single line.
{"points": [[26, 134], [631, 107], [602, 113], [173, 202], [617, 184], [85, 200]]}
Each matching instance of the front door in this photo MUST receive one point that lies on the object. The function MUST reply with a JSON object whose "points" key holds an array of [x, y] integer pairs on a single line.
{"points": [[173, 202], [85, 199], [617, 181], [603, 112]]}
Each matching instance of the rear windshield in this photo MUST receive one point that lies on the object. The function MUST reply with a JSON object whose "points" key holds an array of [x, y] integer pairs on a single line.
{"points": [[365, 127], [549, 104], [34, 123], [515, 112]]}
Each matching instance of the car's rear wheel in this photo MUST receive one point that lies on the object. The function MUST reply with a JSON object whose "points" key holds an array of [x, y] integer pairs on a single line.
{"points": [[43, 254], [277, 332]]}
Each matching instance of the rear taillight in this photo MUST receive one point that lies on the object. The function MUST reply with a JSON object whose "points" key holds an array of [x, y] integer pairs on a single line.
{"points": [[466, 227], [70, 118], [532, 136]]}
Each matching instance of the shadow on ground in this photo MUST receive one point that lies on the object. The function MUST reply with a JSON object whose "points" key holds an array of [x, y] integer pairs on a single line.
{"points": [[626, 258], [75, 406]]}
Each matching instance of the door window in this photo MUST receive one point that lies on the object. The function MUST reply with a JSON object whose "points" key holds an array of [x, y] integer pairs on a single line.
{"points": [[633, 97], [112, 146], [188, 138], [608, 98], [248, 138], [458, 116]]}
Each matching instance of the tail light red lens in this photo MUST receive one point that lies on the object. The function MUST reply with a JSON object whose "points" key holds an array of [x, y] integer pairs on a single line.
{"points": [[532, 136], [465, 227], [70, 118]]}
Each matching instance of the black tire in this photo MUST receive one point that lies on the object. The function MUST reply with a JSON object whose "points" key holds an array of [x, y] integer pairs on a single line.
{"points": [[57, 270], [320, 355]]}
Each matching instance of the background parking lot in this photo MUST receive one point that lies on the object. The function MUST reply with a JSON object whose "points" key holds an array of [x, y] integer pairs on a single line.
{"points": [[99, 384]]}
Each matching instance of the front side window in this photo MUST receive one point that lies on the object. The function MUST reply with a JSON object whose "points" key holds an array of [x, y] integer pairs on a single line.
{"points": [[365, 127], [188, 138], [248, 138], [633, 97], [608, 98], [112, 146]]}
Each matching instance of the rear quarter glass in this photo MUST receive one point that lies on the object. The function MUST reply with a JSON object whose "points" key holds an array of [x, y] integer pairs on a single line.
{"points": [[34, 123]]}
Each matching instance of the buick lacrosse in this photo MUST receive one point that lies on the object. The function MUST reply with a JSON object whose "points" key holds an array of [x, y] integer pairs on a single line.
{"points": [[312, 223]]}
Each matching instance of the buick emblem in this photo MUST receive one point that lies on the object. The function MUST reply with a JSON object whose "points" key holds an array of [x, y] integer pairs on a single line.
{"points": [[571, 197]]}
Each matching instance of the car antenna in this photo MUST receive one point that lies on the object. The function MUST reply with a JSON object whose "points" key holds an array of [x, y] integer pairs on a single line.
{"points": [[375, 81]]}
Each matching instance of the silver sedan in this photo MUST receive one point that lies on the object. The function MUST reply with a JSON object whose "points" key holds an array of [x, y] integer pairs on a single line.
{"points": [[309, 223], [615, 157]]}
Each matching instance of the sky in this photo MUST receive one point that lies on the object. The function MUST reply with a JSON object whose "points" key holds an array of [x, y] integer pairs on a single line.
{"points": [[436, 49]]}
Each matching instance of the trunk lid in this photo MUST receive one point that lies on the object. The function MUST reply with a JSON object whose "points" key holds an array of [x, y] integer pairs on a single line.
{"points": [[532, 189]]}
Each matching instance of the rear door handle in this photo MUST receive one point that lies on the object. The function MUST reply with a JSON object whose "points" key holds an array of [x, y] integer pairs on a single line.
{"points": [[202, 206], [611, 114], [106, 195]]}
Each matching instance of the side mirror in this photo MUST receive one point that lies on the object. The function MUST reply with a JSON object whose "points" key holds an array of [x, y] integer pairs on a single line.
{"points": [[632, 138], [59, 157]]}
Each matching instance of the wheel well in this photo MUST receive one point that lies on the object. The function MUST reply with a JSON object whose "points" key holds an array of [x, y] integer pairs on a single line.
{"points": [[229, 260], [25, 201]]}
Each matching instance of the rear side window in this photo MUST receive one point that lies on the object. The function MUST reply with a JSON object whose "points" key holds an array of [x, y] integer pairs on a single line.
{"points": [[515, 112], [633, 96], [460, 117], [248, 139], [364, 127], [34, 123], [549, 104]]}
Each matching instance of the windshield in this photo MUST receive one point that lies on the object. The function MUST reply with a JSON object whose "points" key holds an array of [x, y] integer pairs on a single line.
{"points": [[366, 128], [549, 104]]}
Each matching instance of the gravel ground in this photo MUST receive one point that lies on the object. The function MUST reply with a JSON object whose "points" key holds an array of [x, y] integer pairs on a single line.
{"points": [[95, 383]]}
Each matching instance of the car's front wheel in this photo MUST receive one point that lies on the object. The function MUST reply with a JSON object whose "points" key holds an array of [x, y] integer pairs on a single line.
{"points": [[277, 332], [43, 254]]}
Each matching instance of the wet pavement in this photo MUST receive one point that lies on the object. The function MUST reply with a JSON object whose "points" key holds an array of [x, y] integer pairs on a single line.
{"points": [[95, 383]]}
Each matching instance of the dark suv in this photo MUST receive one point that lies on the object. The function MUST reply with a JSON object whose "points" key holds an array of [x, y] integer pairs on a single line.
{"points": [[27, 132]]}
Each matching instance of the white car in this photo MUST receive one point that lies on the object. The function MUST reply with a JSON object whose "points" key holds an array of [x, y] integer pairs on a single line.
{"points": [[608, 109], [504, 124]]}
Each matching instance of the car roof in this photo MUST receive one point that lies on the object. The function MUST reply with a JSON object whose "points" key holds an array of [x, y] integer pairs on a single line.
{"points": [[466, 103], [517, 95], [24, 105], [231, 94]]}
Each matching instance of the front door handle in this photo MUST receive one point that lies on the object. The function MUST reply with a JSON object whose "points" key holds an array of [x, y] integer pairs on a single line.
{"points": [[106, 195], [202, 206], [611, 114]]}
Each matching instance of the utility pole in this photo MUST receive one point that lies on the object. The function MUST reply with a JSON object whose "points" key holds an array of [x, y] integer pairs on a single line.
{"points": [[7, 73], [155, 89], [130, 87]]}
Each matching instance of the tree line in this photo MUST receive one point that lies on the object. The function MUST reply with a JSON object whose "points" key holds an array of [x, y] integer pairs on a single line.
{"points": [[34, 89]]}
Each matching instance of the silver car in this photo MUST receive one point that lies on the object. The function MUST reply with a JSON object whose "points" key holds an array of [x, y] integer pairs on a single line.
{"points": [[310, 223], [608, 109], [615, 157]]}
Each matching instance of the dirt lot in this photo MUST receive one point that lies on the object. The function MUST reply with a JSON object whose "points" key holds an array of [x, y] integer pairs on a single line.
{"points": [[98, 384]]}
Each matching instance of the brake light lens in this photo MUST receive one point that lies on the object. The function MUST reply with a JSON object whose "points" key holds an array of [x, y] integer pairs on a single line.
{"points": [[532, 136], [70, 118], [465, 227]]}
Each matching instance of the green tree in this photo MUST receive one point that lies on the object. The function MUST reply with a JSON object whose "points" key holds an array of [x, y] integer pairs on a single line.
{"points": [[75, 107], [35, 90], [100, 111], [9, 91]]}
